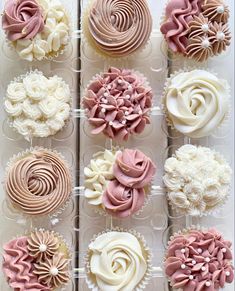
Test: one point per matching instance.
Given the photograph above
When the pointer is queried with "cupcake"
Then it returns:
(117, 103)
(118, 260)
(118, 182)
(196, 102)
(36, 29)
(199, 260)
(37, 106)
(39, 261)
(117, 28)
(38, 182)
(197, 180)
(196, 29)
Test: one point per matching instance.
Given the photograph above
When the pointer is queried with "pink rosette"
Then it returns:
(122, 201)
(133, 169)
(199, 260)
(22, 19)
(117, 103)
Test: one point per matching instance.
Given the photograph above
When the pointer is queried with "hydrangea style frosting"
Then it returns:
(38, 261)
(199, 260)
(37, 106)
(193, 28)
(37, 29)
(117, 103)
(117, 181)
(197, 180)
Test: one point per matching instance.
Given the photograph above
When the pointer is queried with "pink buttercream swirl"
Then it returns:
(117, 103)
(22, 19)
(18, 266)
(199, 261)
(122, 201)
(175, 29)
(133, 169)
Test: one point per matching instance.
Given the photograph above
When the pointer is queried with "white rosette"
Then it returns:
(38, 106)
(56, 213)
(146, 252)
(227, 107)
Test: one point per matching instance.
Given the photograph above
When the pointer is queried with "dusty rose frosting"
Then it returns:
(133, 169)
(117, 103)
(119, 27)
(122, 201)
(175, 29)
(17, 267)
(39, 183)
(22, 19)
(199, 261)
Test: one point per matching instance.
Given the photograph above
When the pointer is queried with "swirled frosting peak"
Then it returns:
(117, 261)
(197, 180)
(118, 102)
(22, 19)
(199, 260)
(118, 28)
(39, 182)
(196, 102)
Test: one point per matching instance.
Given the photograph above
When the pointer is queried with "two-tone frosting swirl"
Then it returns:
(38, 183)
(199, 260)
(117, 261)
(196, 102)
(119, 28)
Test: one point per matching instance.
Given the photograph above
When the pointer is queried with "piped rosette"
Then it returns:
(117, 103)
(118, 181)
(199, 260)
(196, 29)
(39, 260)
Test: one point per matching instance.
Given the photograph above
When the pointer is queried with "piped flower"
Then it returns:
(215, 10)
(221, 37)
(199, 26)
(200, 48)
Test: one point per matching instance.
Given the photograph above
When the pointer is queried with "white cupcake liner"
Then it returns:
(61, 240)
(20, 79)
(56, 213)
(97, 51)
(185, 70)
(211, 212)
(63, 49)
(148, 275)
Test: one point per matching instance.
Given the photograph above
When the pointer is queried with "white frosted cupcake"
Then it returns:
(37, 29)
(37, 106)
(197, 180)
(118, 260)
(196, 102)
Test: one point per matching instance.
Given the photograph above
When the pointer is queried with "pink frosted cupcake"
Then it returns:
(118, 181)
(196, 29)
(199, 260)
(117, 103)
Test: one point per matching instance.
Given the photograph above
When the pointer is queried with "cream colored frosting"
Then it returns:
(36, 105)
(52, 39)
(117, 261)
(97, 175)
(197, 179)
(196, 102)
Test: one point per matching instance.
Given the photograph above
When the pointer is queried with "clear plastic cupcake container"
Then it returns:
(78, 223)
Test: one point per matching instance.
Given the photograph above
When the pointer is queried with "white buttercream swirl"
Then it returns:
(36, 105)
(117, 261)
(196, 102)
(97, 175)
(52, 39)
(197, 180)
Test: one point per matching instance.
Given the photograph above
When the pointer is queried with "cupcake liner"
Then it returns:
(51, 56)
(185, 70)
(20, 79)
(145, 280)
(97, 51)
(56, 212)
(62, 240)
